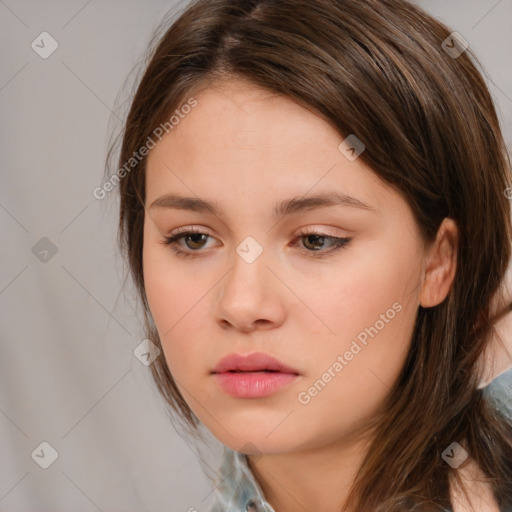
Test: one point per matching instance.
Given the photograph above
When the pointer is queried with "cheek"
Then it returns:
(353, 295)
(370, 311)
(159, 281)
(173, 298)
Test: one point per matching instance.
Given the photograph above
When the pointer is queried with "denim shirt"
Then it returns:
(237, 490)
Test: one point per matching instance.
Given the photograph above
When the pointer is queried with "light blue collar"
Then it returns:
(236, 489)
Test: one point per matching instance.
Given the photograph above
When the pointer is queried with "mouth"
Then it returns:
(255, 384)
(252, 363)
(255, 375)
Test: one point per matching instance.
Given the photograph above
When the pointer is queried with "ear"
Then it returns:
(440, 265)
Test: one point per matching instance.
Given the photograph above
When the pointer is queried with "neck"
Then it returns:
(314, 479)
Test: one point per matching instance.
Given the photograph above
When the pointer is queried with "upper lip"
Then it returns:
(256, 361)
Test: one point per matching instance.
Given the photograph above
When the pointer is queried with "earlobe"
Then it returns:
(441, 264)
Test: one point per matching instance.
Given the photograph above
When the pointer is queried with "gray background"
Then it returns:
(68, 374)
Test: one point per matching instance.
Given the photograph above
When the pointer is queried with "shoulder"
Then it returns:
(476, 495)
(473, 494)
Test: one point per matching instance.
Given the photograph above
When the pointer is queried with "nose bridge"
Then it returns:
(249, 267)
(247, 294)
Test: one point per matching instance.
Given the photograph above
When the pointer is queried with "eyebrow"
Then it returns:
(285, 207)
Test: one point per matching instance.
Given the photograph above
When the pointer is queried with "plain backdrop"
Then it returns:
(68, 374)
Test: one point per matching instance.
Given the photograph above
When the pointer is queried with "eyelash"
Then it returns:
(171, 241)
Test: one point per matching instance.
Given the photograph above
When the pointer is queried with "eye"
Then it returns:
(196, 236)
(195, 239)
(314, 239)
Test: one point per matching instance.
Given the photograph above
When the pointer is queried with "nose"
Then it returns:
(250, 296)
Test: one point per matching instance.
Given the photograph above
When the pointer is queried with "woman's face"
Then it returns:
(257, 281)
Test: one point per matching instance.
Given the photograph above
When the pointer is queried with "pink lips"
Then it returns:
(255, 375)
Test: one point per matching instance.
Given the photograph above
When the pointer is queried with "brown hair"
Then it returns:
(377, 69)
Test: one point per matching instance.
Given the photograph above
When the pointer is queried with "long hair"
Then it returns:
(408, 88)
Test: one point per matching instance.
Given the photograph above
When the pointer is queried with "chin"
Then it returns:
(256, 438)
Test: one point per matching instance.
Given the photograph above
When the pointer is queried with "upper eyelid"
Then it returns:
(301, 232)
(184, 232)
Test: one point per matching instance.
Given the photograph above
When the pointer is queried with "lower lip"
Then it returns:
(253, 385)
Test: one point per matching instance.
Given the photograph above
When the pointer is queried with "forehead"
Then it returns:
(238, 115)
(243, 140)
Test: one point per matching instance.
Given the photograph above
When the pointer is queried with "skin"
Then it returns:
(247, 149)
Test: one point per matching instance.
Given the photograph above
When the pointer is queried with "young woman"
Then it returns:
(314, 208)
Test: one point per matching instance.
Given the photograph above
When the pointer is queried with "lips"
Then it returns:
(255, 362)
(253, 376)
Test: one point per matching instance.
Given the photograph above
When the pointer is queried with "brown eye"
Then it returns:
(194, 241)
(315, 241)
(197, 240)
